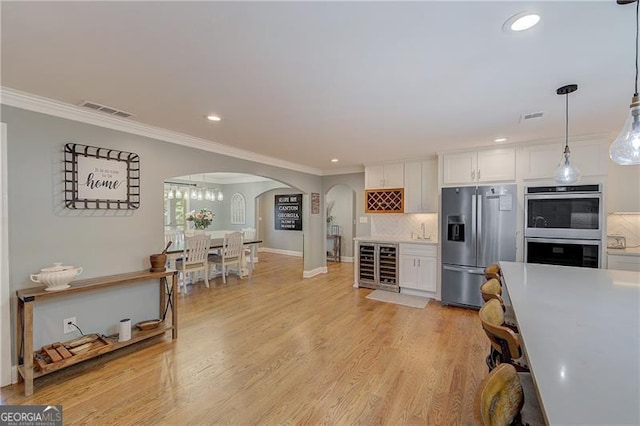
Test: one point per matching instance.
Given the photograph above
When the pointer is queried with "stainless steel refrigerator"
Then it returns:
(478, 228)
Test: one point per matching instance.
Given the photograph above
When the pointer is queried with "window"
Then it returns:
(175, 210)
(238, 209)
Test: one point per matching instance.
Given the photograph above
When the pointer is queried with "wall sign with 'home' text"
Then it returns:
(288, 212)
(100, 178)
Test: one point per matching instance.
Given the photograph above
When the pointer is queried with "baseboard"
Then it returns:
(14, 374)
(278, 251)
(346, 259)
(312, 273)
(412, 292)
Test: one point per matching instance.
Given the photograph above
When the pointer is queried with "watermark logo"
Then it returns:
(30, 415)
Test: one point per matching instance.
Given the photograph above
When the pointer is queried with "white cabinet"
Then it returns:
(623, 188)
(491, 165)
(623, 262)
(421, 186)
(541, 161)
(383, 176)
(418, 267)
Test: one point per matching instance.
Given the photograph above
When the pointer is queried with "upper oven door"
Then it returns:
(563, 215)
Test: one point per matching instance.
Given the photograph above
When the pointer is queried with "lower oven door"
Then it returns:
(583, 253)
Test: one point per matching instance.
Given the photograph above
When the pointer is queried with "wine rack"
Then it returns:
(384, 200)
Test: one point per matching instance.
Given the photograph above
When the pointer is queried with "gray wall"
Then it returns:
(222, 209)
(356, 182)
(273, 238)
(343, 215)
(43, 231)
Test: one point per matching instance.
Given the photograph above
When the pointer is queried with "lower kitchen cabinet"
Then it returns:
(418, 263)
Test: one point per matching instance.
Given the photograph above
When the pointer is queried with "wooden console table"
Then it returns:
(28, 297)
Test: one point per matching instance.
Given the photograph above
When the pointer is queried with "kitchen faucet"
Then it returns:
(422, 230)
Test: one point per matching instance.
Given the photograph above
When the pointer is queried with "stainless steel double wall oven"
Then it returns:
(564, 225)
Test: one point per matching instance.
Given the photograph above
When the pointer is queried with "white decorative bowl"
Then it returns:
(56, 277)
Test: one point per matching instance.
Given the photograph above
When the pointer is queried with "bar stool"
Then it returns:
(492, 289)
(505, 343)
(493, 271)
(506, 397)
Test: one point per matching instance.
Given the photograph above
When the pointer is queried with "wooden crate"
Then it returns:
(57, 355)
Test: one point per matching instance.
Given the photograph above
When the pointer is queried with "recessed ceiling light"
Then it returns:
(500, 140)
(213, 118)
(334, 160)
(521, 22)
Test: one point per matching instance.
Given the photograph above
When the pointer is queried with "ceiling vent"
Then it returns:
(105, 109)
(531, 116)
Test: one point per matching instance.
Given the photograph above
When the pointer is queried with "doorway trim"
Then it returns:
(5, 299)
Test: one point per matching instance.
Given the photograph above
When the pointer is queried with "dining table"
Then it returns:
(215, 243)
(177, 248)
(580, 331)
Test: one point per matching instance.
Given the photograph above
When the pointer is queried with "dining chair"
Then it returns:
(231, 253)
(194, 259)
(506, 397)
(505, 343)
(249, 252)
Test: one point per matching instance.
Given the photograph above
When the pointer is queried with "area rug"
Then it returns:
(398, 298)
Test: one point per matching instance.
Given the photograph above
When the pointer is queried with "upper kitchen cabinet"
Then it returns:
(493, 165)
(421, 186)
(381, 176)
(541, 161)
(623, 188)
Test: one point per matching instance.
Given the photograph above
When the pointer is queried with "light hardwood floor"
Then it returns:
(279, 349)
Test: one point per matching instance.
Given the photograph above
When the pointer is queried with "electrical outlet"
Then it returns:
(66, 325)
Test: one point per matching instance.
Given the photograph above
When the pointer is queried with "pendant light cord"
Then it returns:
(566, 124)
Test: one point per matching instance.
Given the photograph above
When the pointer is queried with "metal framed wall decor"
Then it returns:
(100, 178)
(288, 212)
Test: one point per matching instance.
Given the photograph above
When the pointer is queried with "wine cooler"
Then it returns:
(378, 266)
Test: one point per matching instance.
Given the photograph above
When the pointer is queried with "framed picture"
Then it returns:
(288, 212)
(100, 178)
(315, 203)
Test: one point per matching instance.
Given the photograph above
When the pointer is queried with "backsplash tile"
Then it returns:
(627, 225)
(402, 225)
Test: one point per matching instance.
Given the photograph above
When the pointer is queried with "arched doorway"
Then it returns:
(340, 202)
(239, 202)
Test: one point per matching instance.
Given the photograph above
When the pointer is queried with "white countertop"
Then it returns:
(580, 329)
(632, 251)
(394, 239)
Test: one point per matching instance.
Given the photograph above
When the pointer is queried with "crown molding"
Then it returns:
(23, 100)
(343, 171)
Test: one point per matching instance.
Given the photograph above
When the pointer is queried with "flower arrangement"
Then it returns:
(201, 219)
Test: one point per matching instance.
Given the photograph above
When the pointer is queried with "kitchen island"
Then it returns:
(580, 329)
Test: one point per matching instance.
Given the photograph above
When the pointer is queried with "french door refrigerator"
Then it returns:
(478, 228)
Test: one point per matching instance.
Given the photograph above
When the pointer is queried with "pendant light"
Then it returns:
(567, 173)
(625, 149)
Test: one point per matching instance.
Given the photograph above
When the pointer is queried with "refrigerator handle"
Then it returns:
(473, 222)
(479, 228)
(467, 269)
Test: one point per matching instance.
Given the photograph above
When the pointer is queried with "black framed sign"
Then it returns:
(100, 178)
(288, 212)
